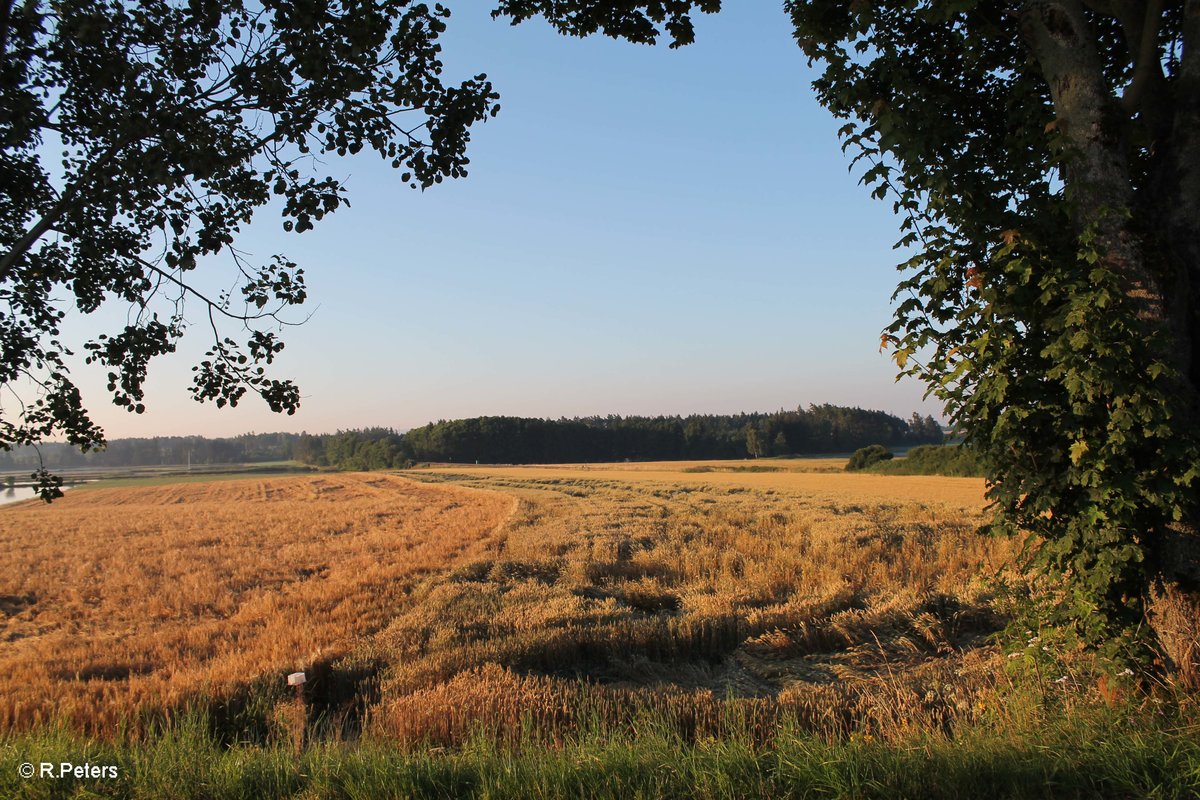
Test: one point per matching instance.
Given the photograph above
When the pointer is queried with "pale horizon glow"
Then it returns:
(643, 232)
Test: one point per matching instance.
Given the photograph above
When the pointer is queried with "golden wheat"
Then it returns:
(822, 597)
(119, 599)
(518, 598)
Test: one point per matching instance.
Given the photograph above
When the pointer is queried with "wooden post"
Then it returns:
(297, 680)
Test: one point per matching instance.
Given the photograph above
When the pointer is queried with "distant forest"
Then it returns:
(245, 449)
(512, 440)
(516, 440)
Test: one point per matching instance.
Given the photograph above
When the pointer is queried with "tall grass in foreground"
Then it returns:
(1099, 752)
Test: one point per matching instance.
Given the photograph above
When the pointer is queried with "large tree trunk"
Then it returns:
(1177, 553)
(1093, 123)
(1096, 169)
(1181, 192)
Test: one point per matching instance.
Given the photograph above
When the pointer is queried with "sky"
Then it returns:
(643, 231)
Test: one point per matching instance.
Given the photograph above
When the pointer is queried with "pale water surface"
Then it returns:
(8, 495)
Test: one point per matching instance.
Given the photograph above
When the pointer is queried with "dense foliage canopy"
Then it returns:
(867, 457)
(951, 460)
(1044, 157)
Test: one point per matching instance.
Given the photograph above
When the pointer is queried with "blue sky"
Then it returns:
(644, 231)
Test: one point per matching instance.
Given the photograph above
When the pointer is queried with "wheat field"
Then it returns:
(513, 598)
(118, 600)
(677, 588)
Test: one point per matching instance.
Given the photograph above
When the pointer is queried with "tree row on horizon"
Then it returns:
(516, 440)
(521, 440)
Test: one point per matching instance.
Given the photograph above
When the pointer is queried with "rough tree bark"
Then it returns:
(1096, 169)
(1180, 178)
(1093, 124)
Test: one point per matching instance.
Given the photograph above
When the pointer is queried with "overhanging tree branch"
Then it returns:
(66, 197)
(187, 110)
(1147, 65)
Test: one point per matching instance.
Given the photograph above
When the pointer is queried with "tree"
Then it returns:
(866, 456)
(1044, 158)
(754, 440)
(138, 138)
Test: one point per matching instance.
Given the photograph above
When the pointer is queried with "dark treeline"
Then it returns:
(516, 440)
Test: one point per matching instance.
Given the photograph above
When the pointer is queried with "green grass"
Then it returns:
(1122, 753)
(951, 460)
(273, 468)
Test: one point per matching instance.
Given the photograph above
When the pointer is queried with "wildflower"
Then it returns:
(1063, 679)
(1014, 655)
(1126, 671)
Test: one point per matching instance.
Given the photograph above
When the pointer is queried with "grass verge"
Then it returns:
(1106, 752)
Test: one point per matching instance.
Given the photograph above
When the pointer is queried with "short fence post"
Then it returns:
(297, 680)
